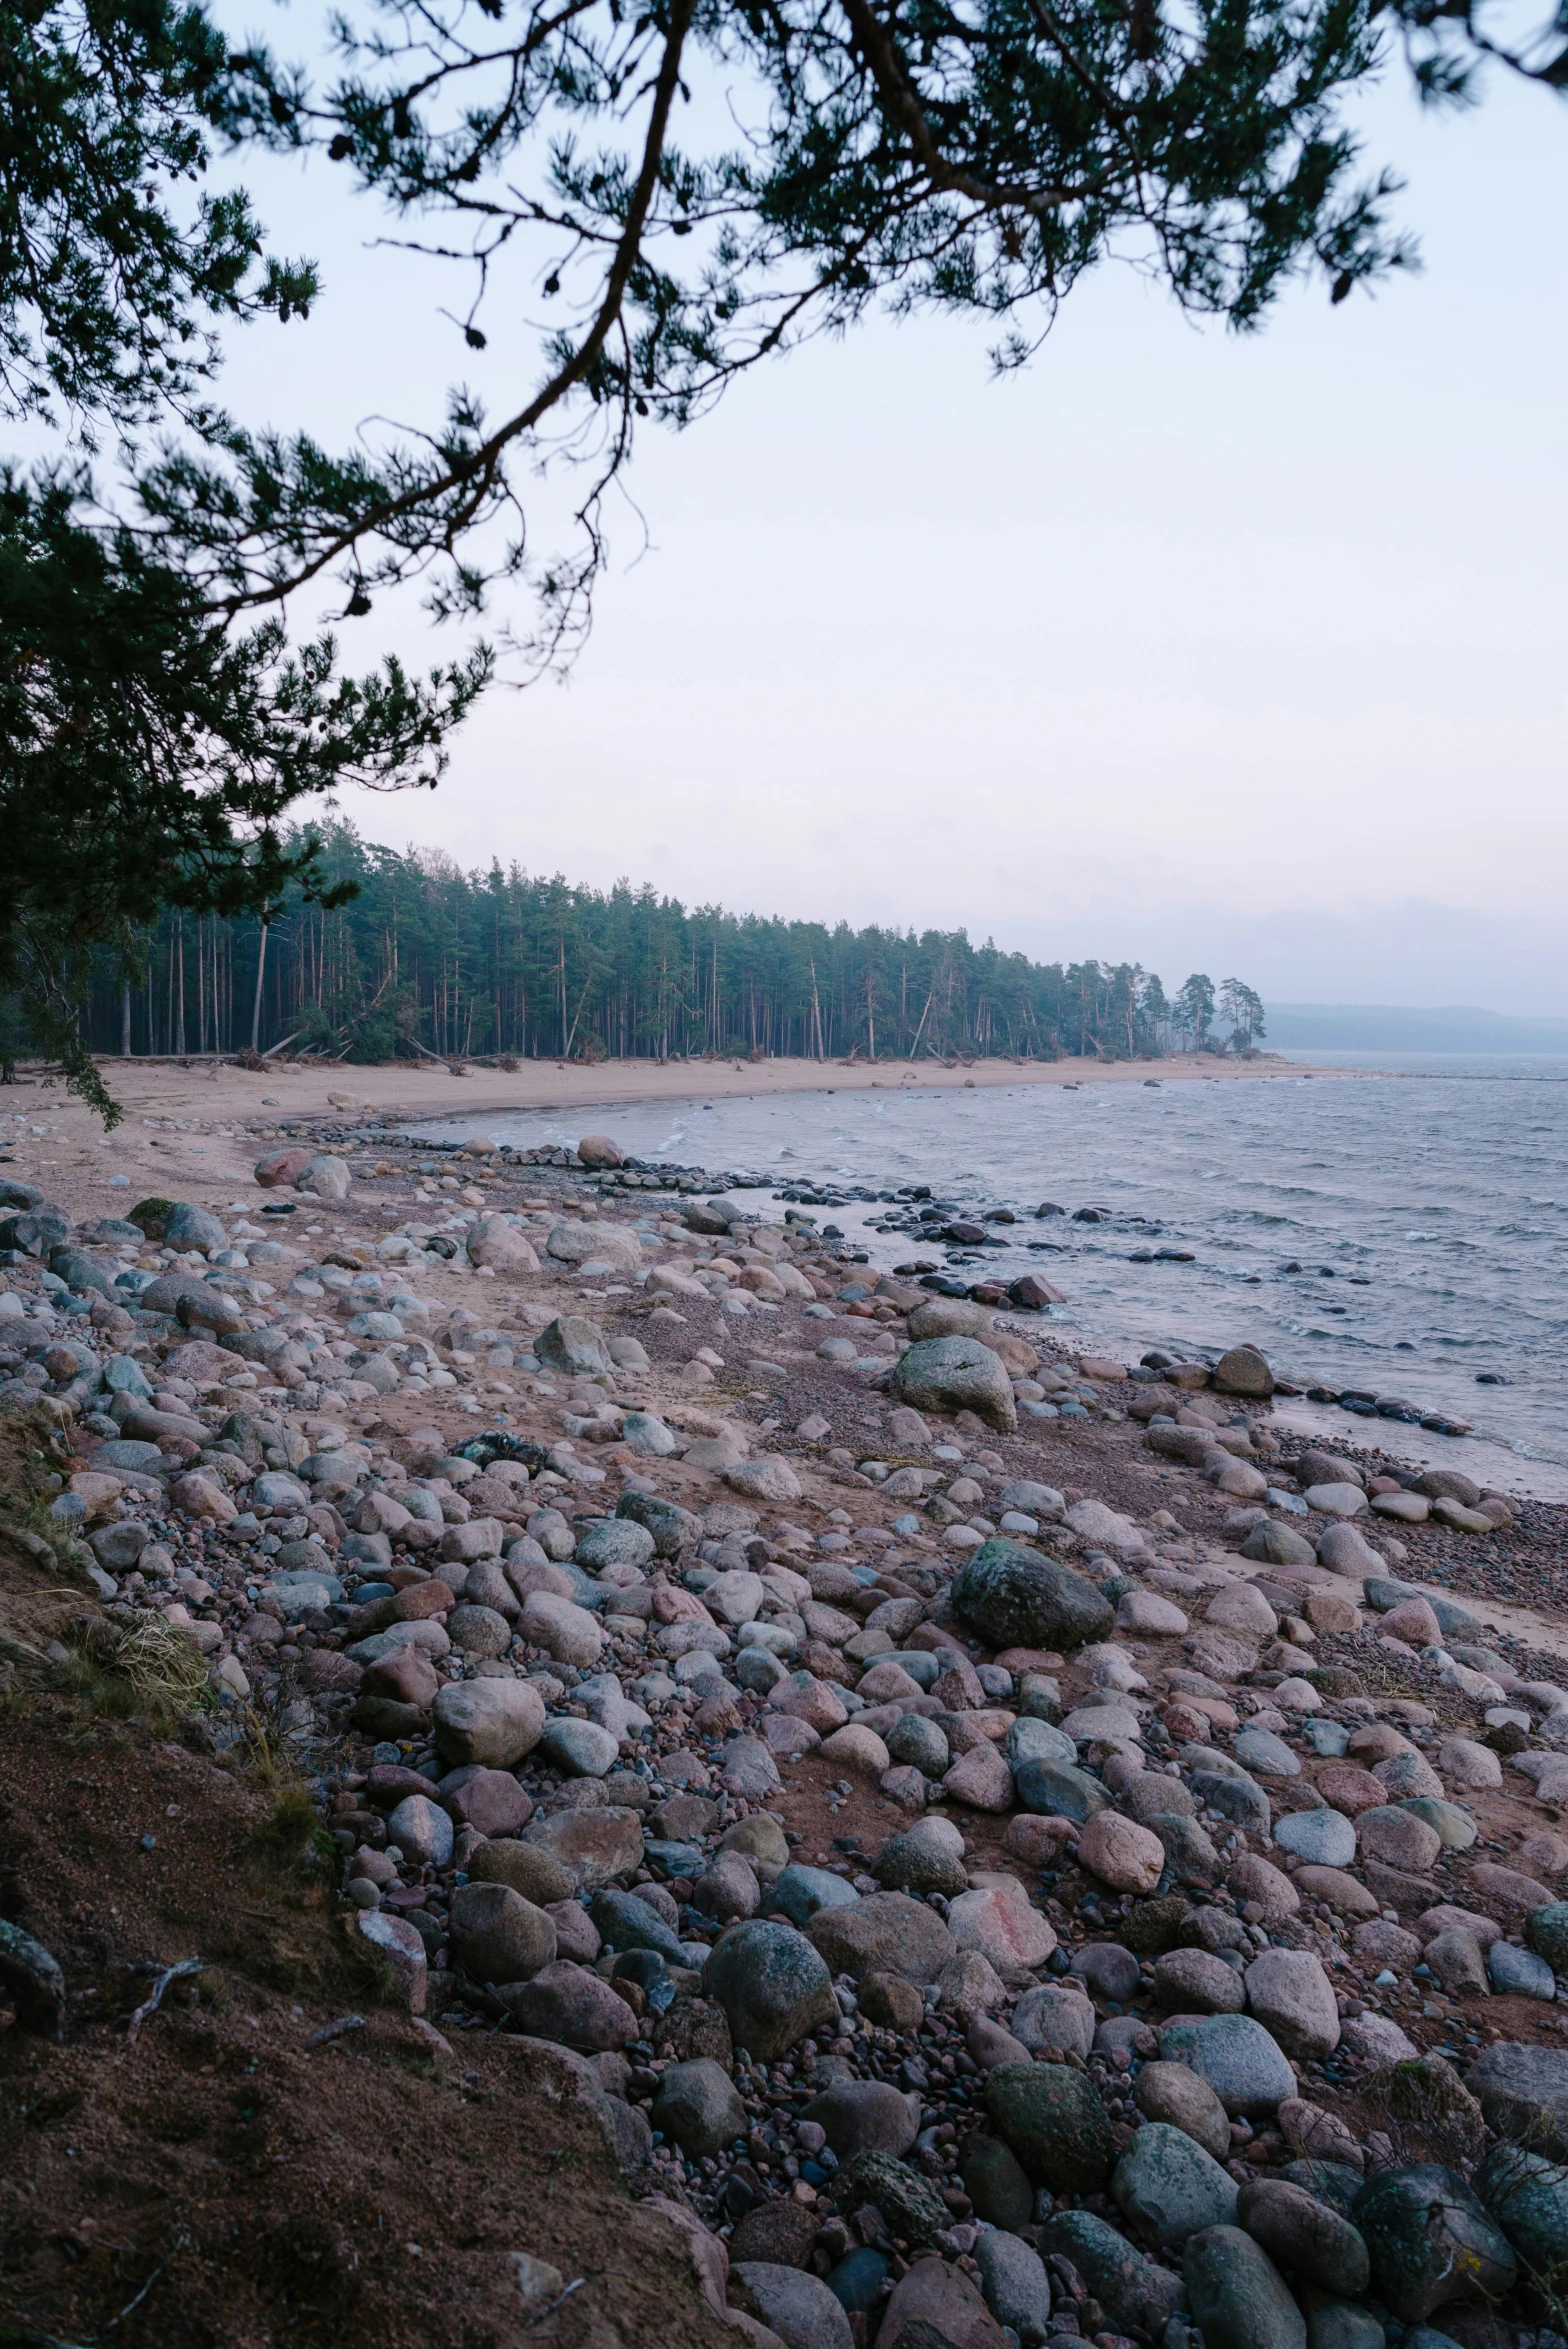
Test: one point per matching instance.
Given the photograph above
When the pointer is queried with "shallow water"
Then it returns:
(1441, 1183)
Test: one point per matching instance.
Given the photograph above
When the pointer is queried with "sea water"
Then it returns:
(1421, 1200)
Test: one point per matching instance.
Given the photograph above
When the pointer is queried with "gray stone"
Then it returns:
(909, 2203)
(866, 2116)
(493, 1722)
(669, 1524)
(128, 1452)
(748, 1769)
(618, 1541)
(33, 1981)
(596, 1845)
(187, 1226)
(566, 2002)
(497, 1936)
(1527, 2195)
(1305, 2236)
(1018, 1598)
(1237, 2295)
(1110, 1970)
(886, 1932)
(623, 1921)
(697, 2105)
(575, 1344)
(798, 2307)
(1136, 2292)
(581, 1748)
(1339, 2324)
(1260, 1749)
(1246, 2068)
(1016, 2287)
(797, 1892)
(478, 1631)
(1431, 2241)
(1037, 1741)
(1060, 1790)
(1523, 2092)
(1326, 1839)
(920, 1743)
(1055, 2021)
(1240, 1799)
(1054, 2121)
(1546, 1930)
(921, 1862)
(422, 1831)
(1172, 2093)
(1293, 1999)
(1273, 1544)
(997, 2184)
(772, 1984)
(1195, 1981)
(955, 1374)
(1189, 1852)
(118, 1547)
(1167, 2187)
(1519, 1973)
(1454, 1828)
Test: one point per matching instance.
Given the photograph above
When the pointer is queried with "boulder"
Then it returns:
(497, 1936)
(500, 1246)
(886, 1932)
(567, 2003)
(1431, 2241)
(491, 1722)
(866, 2116)
(1136, 2292)
(1237, 2295)
(1523, 2092)
(1054, 2121)
(1017, 1598)
(596, 1845)
(698, 2107)
(935, 2303)
(1243, 1371)
(956, 1374)
(1241, 2063)
(1167, 2187)
(325, 1177)
(1293, 1999)
(1173, 2094)
(573, 1343)
(1127, 1857)
(1305, 2236)
(1016, 2287)
(772, 1984)
(605, 1243)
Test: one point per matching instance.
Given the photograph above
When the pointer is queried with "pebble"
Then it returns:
(949, 1955)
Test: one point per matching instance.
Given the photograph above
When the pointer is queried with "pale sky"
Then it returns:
(1237, 654)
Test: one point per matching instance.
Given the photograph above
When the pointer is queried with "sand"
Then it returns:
(74, 1159)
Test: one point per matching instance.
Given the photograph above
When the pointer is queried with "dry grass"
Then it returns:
(144, 1670)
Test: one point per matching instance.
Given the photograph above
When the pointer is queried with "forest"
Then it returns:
(423, 958)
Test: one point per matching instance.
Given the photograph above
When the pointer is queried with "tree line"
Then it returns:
(403, 954)
(162, 722)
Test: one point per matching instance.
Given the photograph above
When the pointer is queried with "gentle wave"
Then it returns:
(1427, 1182)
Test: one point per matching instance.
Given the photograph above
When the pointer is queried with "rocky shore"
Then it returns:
(1012, 1849)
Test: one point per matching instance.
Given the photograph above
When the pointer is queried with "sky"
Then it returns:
(1243, 654)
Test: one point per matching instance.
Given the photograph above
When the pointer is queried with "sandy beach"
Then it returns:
(220, 1090)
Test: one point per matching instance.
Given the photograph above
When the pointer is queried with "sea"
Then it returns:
(1392, 1223)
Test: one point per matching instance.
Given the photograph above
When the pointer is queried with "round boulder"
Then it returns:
(956, 1374)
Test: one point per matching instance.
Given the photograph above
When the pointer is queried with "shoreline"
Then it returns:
(404, 1091)
(192, 1130)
